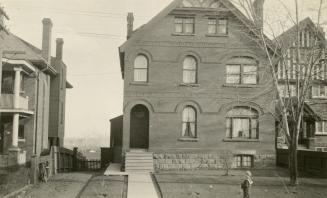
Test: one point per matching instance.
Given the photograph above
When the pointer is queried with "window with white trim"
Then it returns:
(141, 65)
(184, 25)
(217, 26)
(190, 70)
(189, 122)
(242, 123)
(321, 128)
(321, 149)
(319, 71)
(319, 91)
(242, 70)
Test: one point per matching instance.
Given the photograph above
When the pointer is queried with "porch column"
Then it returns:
(15, 128)
(17, 84)
(16, 106)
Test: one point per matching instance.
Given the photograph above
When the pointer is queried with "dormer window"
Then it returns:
(217, 26)
(184, 25)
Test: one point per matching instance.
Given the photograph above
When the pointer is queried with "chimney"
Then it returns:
(258, 11)
(59, 48)
(130, 21)
(46, 39)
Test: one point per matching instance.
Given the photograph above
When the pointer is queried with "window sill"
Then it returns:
(319, 97)
(139, 83)
(216, 35)
(241, 140)
(242, 85)
(187, 139)
(189, 85)
(182, 34)
(321, 134)
(21, 140)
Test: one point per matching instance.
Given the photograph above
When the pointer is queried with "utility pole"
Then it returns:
(3, 32)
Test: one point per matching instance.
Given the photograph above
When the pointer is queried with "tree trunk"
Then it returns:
(293, 168)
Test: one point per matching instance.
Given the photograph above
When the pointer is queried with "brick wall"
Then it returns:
(37, 91)
(57, 103)
(204, 161)
(165, 96)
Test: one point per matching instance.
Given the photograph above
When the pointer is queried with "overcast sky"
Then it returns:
(93, 31)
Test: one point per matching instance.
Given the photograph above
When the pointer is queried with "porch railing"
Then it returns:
(7, 102)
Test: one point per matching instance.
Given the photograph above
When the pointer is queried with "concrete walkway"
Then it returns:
(141, 185)
(114, 170)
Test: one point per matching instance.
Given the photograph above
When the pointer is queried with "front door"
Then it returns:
(139, 128)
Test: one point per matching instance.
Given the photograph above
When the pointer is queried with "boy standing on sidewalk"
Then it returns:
(246, 184)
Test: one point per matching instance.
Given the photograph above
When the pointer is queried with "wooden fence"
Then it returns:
(311, 162)
(88, 165)
(72, 160)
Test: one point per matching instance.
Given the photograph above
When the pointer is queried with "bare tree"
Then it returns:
(227, 158)
(299, 76)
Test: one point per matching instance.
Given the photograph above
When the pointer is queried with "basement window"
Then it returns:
(243, 161)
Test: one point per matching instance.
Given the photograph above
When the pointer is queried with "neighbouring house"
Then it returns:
(32, 100)
(196, 85)
(116, 139)
(58, 86)
(313, 135)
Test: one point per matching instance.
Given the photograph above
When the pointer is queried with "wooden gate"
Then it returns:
(88, 165)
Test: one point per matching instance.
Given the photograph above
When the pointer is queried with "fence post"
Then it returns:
(34, 169)
(54, 153)
(75, 159)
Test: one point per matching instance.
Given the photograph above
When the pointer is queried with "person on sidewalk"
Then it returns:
(246, 184)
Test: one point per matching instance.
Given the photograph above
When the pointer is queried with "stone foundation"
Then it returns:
(204, 161)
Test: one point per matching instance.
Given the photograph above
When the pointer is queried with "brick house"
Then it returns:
(313, 134)
(196, 85)
(29, 98)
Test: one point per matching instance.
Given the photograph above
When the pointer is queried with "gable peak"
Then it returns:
(200, 4)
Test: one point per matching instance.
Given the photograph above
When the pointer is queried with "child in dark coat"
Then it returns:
(246, 184)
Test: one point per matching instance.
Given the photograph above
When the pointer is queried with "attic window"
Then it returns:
(217, 26)
(184, 25)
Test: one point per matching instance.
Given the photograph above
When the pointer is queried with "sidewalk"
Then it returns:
(65, 185)
(141, 185)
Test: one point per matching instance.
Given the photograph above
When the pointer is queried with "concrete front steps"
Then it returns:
(139, 162)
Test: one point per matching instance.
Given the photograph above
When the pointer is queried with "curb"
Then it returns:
(156, 185)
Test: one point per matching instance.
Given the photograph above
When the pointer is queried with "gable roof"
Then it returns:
(288, 37)
(319, 107)
(138, 33)
(16, 48)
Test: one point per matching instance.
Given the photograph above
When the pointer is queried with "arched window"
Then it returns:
(242, 70)
(189, 122)
(242, 123)
(189, 70)
(141, 65)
